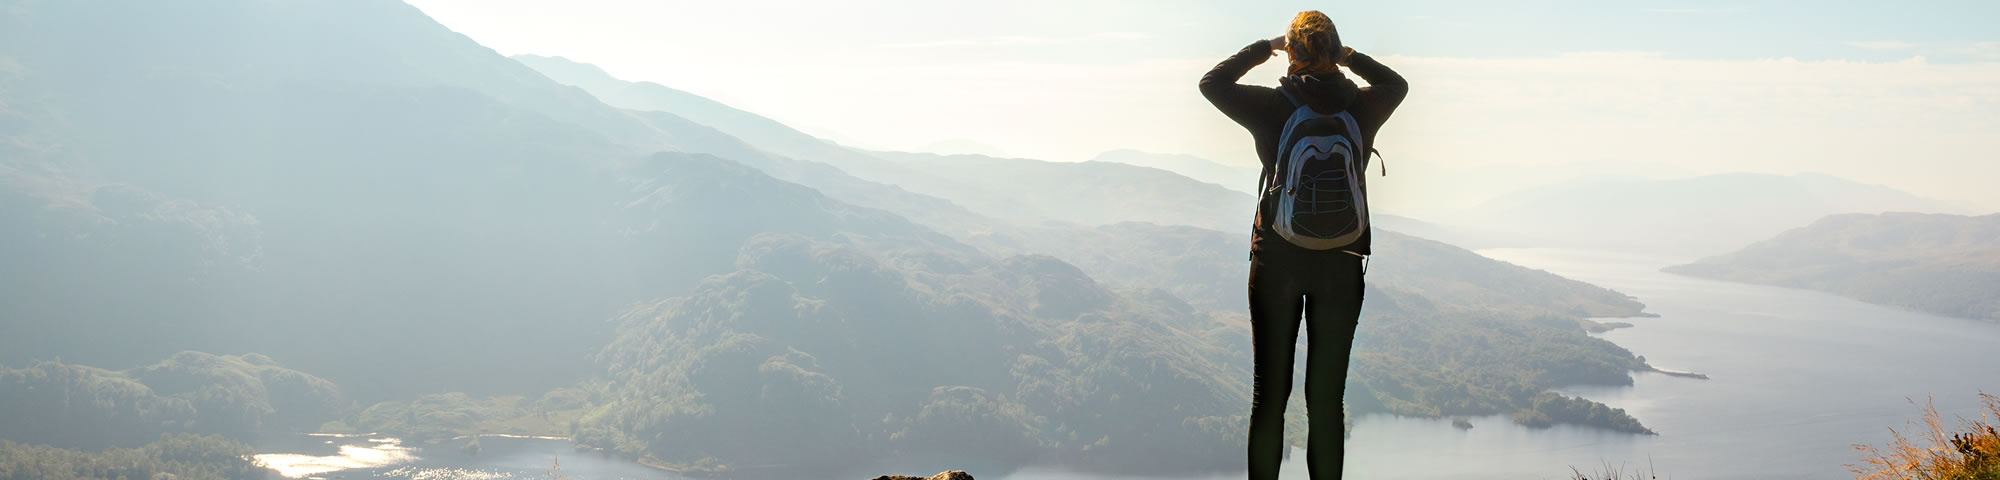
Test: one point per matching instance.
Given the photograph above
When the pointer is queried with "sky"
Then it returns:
(1905, 94)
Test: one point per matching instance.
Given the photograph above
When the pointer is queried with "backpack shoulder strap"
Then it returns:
(1385, 160)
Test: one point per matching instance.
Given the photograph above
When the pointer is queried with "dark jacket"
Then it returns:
(1263, 111)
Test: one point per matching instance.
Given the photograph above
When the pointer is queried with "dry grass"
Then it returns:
(1616, 472)
(555, 472)
(1971, 451)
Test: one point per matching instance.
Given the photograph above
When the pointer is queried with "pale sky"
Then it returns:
(1905, 94)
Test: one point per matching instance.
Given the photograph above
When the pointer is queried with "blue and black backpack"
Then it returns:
(1315, 187)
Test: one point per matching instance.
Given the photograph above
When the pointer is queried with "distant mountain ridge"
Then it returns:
(1233, 177)
(1943, 264)
(1021, 191)
(1703, 215)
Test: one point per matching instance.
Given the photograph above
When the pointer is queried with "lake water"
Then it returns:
(1796, 379)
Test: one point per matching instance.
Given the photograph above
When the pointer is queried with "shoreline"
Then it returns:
(1676, 373)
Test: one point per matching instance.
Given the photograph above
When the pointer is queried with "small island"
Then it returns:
(1461, 423)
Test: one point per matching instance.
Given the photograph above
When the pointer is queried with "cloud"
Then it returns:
(1986, 50)
(1884, 45)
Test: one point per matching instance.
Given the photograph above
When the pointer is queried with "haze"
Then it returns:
(1706, 87)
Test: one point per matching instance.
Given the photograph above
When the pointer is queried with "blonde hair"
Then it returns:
(1312, 43)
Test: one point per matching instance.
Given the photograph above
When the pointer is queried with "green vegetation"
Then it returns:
(1550, 408)
(1942, 264)
(241, 397)
(1436, 364)
(175, 456)
(1445, 332)
(433, 418)
(1594, 326)
(818, 352)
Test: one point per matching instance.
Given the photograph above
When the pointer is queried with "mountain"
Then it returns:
(1942, 264)
(816, 353)
(1017, 191)
(170, 456)
(1695, 216)
(765, 133)
(385, 204)
(1095, 205)
(1087, 193)
(1208, 268)
(785, 152)
(357, 166)
(412, 224)
(1238, 178)
(961, 146)
(76, 406)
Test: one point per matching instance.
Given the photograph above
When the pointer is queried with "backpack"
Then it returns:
(1316, 185)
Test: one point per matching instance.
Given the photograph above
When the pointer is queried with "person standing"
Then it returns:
(1310, 238)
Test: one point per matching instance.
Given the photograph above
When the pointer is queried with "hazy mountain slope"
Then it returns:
(814, 155)
(144, 67)
(432, 237)
(835, 182)
(1943, 264)
(1209, 268)
(1166, 262)
(364, 168)
(76, 406)
(815, 354)
(767, 134)
(1089, 193)
(1233, 177)
(1703, 215)
(1016, 190)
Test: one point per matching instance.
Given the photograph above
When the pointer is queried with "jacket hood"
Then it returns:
(1324, 91)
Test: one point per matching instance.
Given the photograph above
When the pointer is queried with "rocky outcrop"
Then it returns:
(951, 475)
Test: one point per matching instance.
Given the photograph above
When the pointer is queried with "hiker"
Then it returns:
(1309, 241)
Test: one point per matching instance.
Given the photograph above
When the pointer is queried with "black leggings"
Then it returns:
(1326, 287)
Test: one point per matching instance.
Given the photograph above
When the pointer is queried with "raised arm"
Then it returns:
(1385, 89)
(1234, 99)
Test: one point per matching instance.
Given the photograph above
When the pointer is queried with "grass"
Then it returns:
(1971, 451)
(555, 472)
(1615, 472)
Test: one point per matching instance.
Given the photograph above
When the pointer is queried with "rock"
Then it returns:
(951, 475)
